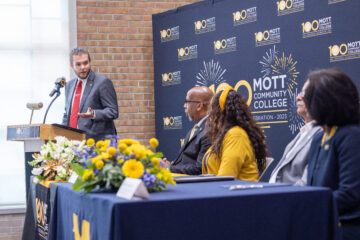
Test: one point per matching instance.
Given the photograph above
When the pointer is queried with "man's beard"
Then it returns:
(87, 74)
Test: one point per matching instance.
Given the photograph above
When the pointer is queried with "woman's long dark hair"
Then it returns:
(236, 113)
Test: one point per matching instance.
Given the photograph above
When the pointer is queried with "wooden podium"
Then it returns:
(35, 135)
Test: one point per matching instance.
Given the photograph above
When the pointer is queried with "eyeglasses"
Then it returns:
(302, 93)
(190, 101)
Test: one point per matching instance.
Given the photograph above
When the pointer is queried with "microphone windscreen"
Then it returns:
(34, 106)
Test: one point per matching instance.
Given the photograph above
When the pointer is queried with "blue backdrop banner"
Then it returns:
(263, 49)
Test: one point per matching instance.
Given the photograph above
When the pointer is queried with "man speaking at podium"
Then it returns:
(90, 99)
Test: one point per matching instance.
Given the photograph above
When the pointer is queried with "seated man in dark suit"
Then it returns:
(196, 142)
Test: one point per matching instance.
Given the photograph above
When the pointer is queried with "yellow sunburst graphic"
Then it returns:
(286, 65)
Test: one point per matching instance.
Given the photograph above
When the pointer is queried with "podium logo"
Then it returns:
(289, 6)
(316, 27)
(335, 1)
(172, 78)
(344, 51)
(205, 25)
(267, 37)
(169, 34)
(245, 16)
(225, 45)
(186, 53)
(172, 122)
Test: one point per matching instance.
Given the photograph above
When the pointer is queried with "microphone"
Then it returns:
(34, 106)
(59, 83)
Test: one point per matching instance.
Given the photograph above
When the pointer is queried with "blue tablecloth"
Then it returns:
(200, 211)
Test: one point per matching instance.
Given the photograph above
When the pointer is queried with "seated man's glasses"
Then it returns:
(190, 101)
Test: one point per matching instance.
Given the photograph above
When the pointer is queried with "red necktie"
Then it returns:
(75, 107)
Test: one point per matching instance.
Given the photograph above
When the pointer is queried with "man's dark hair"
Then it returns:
(332, 98)
(79, 51)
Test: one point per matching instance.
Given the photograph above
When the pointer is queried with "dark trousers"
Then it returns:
(350, 229)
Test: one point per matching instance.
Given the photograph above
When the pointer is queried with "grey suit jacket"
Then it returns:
(100, 95)
(293, 169)
(191, 153)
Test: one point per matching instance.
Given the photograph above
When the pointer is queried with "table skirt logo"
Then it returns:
(335, 1)
(245, 16)
(188, 52)
(267, 37)
(85, 229)
(171, 78)
(172, 122)
(205, 25)
(289, 6)
(225, 45)
(169, 34)
(344, 51)
(316, 27)
(41, 218)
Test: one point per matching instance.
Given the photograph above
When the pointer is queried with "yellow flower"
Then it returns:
(99, 144)
(119, 160)
(133, 168)
(122, 146)
(106, 142)
(155, 161)
(154, 143)
(167, 177)
(105, 155)
(111, 151)
(138, 149)
(90, 142)
(99, 165)
(87, 174)
(95, 159)
(149, 152)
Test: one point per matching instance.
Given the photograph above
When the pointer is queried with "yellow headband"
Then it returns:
(223, 97)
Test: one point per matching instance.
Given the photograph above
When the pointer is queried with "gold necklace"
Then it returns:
(327, 137)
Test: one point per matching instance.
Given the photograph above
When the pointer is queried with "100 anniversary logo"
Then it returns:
(245, 16)
(267, 37)
(188, 52)
(171, 123)
(171, 78)
(205, 25)
(316, 27)
(289, 6)
(344, 51)
(225, 45)
(169, 34)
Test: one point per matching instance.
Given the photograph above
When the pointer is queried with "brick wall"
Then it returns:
(118, 34)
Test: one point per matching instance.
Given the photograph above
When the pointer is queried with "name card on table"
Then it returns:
(73, 178)
(133, 189)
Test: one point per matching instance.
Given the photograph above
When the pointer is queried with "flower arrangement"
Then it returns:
(53, 161)
(105, 165)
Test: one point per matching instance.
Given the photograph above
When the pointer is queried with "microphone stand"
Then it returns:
(57, 95)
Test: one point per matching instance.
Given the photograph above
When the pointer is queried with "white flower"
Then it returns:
(60, 140)
(61, 171)
(37, 171)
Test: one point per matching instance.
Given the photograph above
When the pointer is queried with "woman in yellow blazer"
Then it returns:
(238, 145)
